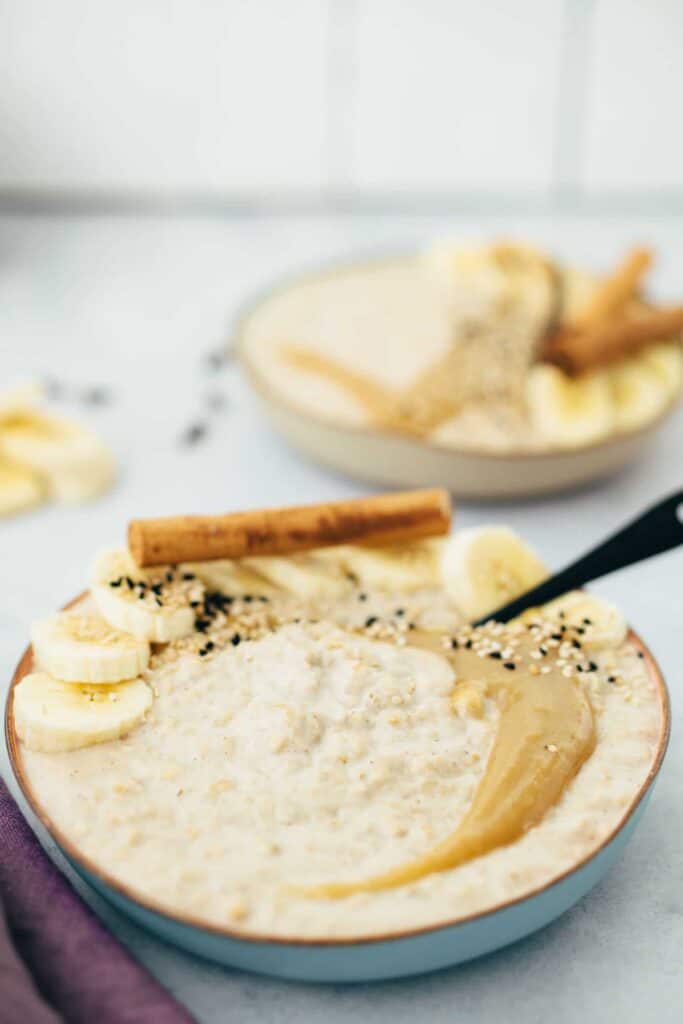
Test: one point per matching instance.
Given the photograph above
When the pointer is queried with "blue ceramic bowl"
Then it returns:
(384, 956)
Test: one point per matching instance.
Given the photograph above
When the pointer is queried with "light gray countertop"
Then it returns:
(134, 304)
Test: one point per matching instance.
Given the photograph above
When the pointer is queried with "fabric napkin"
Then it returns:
(73, 971)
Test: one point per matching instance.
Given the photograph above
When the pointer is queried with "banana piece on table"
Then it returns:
(602, 625)
(305, 575)
(24, 395)
(124, 597)
(20, 488)
(666, 359)
(80, 648)
(639, 393)
(73, 461)
(484, 567)
(400, 567)
(569, 412)
(51, 715)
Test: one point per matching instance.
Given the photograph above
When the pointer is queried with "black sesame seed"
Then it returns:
(562, 615)
(362, 597)
(411, 625)
(202, 652)
(454, 643)
(141, 595)
(497, 655)
(130, 583)
(262, 598)
(195, 604)
(592, 667)
(201, 625)
(156, 589)
(400, 612)
(611, 679)
(371, 620)
(159, 602)
(579, 668)
(640, 654)
(588, 622)
(509, 665)
(248, 598)
(580, 630)
(469, 645)
(235, 639)
(555, 636)
(169, 577)
(210, 645)
(576, 644)
(189, 576)
(116, 583)
(194, 434)
(543, 650)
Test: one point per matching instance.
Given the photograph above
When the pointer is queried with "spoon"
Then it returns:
(658, 529)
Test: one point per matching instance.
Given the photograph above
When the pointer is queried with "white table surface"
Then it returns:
(134, 303)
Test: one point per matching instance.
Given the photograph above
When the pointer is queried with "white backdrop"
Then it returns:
(241, 100)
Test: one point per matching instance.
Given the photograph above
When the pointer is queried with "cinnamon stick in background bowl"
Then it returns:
(578, 352)
(381, 519)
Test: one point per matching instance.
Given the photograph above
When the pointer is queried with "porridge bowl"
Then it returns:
(357, 366)
(324, 772)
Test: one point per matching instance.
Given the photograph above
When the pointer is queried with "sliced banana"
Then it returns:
(73, 461)
(484, 567)
(230, 577)
(639, 393)
(24, 395)
(305, 575)
(666, 359)
(20, 488)
(395, 567)
(569, 412)
(602, 625)
(51, 715)
(85, 649)
(127, 598)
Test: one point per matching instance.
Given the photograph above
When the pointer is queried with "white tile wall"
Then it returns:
(242, 98)
(456, 96)
(163, 94)
(634, 133)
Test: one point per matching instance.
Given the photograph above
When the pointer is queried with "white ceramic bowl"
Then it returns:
(382, 457)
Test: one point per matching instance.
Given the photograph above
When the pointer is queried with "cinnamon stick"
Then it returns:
(382, 519)
(614, 291)
(579, 351)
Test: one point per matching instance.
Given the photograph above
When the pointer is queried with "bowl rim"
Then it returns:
(70, 849)
(238, 344)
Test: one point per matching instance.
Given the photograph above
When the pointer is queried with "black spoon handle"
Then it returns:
(659, 529)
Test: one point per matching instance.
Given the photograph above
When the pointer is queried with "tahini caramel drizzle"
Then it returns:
(545, 734)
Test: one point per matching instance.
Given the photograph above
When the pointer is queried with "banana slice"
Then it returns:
(569, 412)
(639, 393)
(305, 575)
(152, 605)
(20, 488)
(603, 626)
(73, 461)
(51, 715)
(24, 395)
(396, 567)
(229, 577)
(666, 359)
(484, 567)
(85, 649)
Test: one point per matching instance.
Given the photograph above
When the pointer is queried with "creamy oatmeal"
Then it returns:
(457, 346)
(302, 736)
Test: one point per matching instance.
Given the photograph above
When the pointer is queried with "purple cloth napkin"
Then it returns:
(75, 964)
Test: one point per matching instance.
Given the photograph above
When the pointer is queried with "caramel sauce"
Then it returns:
(545, 734)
